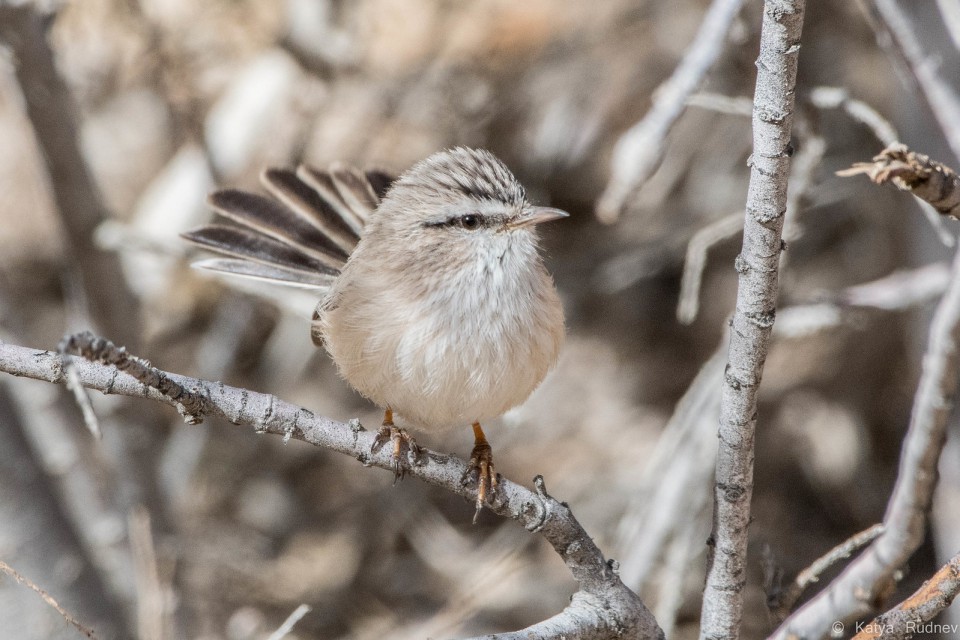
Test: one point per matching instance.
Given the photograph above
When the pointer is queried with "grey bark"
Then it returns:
(603, 607)
(758, 265)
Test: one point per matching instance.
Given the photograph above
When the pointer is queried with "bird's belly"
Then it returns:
(442, 370)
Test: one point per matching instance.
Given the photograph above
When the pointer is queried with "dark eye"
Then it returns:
(469, 221)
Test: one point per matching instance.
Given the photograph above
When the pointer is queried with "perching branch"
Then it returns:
(758, 265)
(869, 579)
(639, 150)
(601, 608)
(905, 620)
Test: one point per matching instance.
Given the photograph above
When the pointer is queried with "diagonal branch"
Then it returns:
(601, 608)
(46, 597)
(869, 579)
(783, 602)
(938, 93)
(907, 618)
(639, 150)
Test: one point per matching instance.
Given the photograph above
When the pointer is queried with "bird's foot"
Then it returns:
(481, 470)
(405, 448)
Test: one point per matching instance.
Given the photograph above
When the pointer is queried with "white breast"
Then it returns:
(467, 350)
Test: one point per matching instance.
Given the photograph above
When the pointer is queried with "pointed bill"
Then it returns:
(537, 215)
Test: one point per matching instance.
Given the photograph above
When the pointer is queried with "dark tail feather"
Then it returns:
(304, 236)
(322, 183)
(246, 244)
(323, 210)
(270, 218)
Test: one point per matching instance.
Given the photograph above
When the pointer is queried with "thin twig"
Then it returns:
(908, 617)
(639, 150)
(688, 305)
(290, 622)
(839, 98)
(601, 607)
(13, 573)
(870, 579)
(82, 399)
(758, 265)
(931, 181)
(782, 604)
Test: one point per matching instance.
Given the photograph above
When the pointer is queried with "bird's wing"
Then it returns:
(302, 235)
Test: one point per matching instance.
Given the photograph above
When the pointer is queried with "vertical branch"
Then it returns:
(753, 318)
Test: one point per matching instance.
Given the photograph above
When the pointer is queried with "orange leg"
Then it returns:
(405, 447)
(481, 462)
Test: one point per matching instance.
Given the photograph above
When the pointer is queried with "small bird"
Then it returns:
(436, 304)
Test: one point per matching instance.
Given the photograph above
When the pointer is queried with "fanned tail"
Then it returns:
(300, 237)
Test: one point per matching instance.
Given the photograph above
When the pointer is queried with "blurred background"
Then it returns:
(117, 117)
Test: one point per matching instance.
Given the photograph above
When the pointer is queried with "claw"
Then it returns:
(481, 469)
(405, 448)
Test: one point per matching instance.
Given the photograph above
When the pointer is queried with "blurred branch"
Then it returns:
(801, 177)
(10, 571)
(905, 620)
(940, 96)
(870, 578)
(43, 532)
(807, 160)
(927, 179)
(53, 115)
(284, 629)
(950, 10)
(602, 605)
(782, 603)
(639, 150)
(839, 98)
(899, 290)
(153, 606)
(758, 265)
(688, 305)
